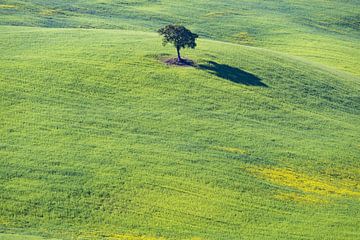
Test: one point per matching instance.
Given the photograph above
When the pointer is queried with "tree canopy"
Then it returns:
(179, 36)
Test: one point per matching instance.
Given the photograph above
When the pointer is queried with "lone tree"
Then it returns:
(180, 36)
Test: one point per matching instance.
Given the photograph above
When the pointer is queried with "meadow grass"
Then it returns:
(21, 237)
(101, 140)
(322, 31)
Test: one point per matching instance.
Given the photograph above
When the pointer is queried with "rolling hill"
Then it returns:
(102, 140)
(322, 31)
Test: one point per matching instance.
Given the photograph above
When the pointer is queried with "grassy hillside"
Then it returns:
(20, 237)
(322, 31)
(100, 139)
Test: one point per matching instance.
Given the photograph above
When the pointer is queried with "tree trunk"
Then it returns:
(178, 53)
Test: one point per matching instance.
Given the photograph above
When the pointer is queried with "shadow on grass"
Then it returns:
(233, 74)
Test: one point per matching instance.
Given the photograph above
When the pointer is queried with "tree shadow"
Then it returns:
(233, 74)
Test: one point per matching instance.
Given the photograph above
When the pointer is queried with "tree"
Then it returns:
(180, 36)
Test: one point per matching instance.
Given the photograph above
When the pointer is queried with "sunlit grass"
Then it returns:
(99, 136)
(99, 139)
(302, 198)
(321, 31)
(231, 150)
(7, 6)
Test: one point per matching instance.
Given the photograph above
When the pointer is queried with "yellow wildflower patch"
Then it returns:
(3, 222)
(7, 6)
(231, 150)
(243, 37)
(349, 177)
(48, 12)
(305, 183)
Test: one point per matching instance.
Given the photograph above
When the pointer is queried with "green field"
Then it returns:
(99, 139)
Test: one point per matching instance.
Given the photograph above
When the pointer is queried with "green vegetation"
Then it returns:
(20, 237)
(179, 36)
(319, 30)
(102, 140)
